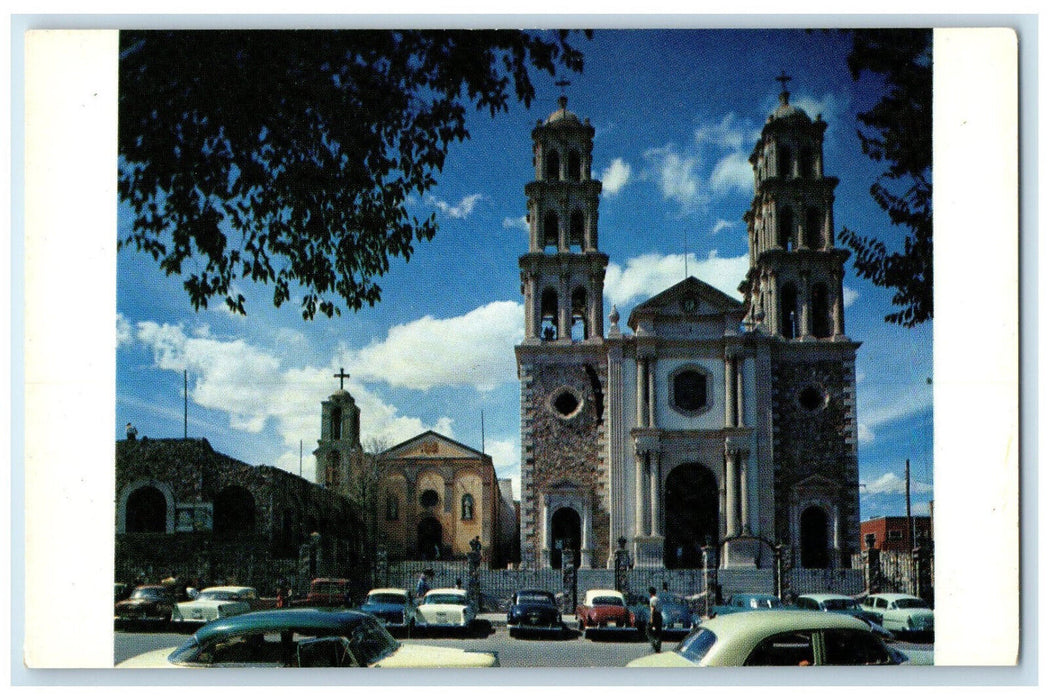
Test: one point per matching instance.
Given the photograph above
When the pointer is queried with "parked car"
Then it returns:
(900, 613)
(678, 617)
(533, 610)
(145, 604)
(838, 603)
(215, 602)
(604, 610)
(783, 638)
(121, 591)
(300, 638)
(326, 593)
(445, 608)
(392, 607)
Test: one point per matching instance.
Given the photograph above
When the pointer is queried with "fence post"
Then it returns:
(710, 579)
(381, 576)
(872, 565)
(568, 581)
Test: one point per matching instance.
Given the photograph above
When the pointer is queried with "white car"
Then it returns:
(215, 602)
(448, 608)
(899, 612)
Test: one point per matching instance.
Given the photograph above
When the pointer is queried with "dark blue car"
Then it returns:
(535, 611)
(393, 607)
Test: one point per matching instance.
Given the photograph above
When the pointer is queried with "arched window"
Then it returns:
(808, 163)
(550, 229)
(548, 314)
(785, 228)
(429, 498)
(467, 507)
(146, 510)
(788, 303)
(234, 511)
(392, 508)
(821, 321)
(336, 423)
(553, 165)
(813, 228)
(575, 231)
(689, 390)
(783, 160)
(575, 166)
(579, 329)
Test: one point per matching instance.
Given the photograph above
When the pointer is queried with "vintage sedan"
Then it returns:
(900, 613)
(145, 604)
(215, 602)
(783, 638)
(303, 638)
(678, 617)
(838, 603)
(393, 607)
(534, 611)
(605, 610)
(447, 609)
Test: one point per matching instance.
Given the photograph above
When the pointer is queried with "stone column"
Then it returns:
(564, 309)
(730, 392)
(837, 309)
(651, 372)
(740, 386)
(653, 493)
(639, 495)
(731, 492)
(642, 366)
(744, 491)
(805, 293)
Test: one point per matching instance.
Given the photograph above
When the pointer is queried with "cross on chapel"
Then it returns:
(783, 78)
(341, 376)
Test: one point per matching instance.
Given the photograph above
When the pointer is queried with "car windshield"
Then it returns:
(371, 642)
(696, 645)
(148, 594)
(535, 599)
(907, 603)
(386, 599)
(840, 604)
(445, 599)
(607, 600)
(765, 603)
(327, 588)
(220, 595)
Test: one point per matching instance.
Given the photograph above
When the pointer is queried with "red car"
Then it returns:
(606, 611)
(326, 593)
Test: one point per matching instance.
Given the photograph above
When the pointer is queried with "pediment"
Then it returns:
(431, 445)
(689, 298)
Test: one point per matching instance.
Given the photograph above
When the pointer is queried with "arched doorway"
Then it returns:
(691, 506)
(234, 512)
(146, 510)
(814, 554)
(565, 528)
(428, 540)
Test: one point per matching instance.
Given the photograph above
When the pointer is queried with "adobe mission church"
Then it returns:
(704, 419)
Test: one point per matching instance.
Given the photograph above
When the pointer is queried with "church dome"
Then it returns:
(562, 115)
(785, 110)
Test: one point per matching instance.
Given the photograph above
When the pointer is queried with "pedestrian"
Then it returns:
(421, 587)
(458, 583)
(282, 594)
(132, 433)
(655, 620)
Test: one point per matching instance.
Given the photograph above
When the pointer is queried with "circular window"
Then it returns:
(811, 398)
(566, 402)
(428, 499)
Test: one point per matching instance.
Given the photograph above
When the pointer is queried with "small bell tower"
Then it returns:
(338, 452)
(794, 286)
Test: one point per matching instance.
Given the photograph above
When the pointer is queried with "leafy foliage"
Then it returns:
(898, 132)
(287, 157)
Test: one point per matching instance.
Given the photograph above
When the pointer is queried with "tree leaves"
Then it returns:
(898, 132)
(288, 157)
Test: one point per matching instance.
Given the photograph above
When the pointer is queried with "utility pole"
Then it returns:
(185, 405)
(482, 431)
(910, 522)
(300, 459)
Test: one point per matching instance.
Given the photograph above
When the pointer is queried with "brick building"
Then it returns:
(891, 533)
(707, 419)
(184, 509)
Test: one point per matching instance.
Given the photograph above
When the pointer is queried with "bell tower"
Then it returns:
(794, 286)
(339, 455)
(794, 304)
(562, 361)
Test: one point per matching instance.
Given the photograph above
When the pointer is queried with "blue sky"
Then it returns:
(676, 114)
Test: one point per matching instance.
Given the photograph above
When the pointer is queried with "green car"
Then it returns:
(304, 638)
(783, 638)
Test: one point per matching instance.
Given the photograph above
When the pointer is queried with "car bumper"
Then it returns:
(525, 627)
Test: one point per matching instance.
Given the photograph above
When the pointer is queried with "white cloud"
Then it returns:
(123, 330)
(893, 484)
(827, 106)
(728, 134)
(615, 177)
(733, 173)
(647, 275)
(677, 175)
(849, 296)
(721, 225)
(864, 434)
(521, 222)
(255, 391)
(457, 211)
(504, 453)
(475, 349)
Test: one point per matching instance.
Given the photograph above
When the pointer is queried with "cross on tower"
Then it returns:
(341, 376)
(563, 83)
(783, 78)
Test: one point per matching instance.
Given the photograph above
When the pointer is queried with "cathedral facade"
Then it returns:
(706, 421)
